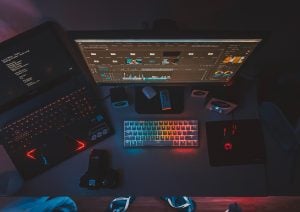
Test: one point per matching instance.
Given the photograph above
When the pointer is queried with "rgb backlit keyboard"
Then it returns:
(171, 133)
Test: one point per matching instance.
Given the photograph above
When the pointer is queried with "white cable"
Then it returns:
(186, 204)
(121, 199)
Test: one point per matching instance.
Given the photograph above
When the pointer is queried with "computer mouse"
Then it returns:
(149, 92)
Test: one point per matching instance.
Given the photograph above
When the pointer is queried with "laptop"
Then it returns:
(49, 105)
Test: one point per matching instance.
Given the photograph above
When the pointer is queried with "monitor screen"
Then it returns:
(31, 61)
(165, 60)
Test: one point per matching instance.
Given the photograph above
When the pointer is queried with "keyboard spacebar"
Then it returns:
(158, 143)
(130, 143)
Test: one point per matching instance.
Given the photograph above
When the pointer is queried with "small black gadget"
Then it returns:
(199, 93)
(165, 100)
(118, 97)
(99, 173)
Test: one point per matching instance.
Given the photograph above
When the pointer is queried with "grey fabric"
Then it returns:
(278, 126)
(41, 204)
(10, 183)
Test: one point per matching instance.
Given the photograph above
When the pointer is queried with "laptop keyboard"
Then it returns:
(57, 115)
(171, 133)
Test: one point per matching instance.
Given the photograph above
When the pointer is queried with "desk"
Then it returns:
(153, 172)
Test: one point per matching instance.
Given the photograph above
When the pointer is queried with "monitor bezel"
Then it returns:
(188, 34)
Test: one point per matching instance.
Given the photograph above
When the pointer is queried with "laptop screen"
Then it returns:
(31, 61)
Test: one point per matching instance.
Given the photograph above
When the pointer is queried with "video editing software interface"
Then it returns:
(165, 60)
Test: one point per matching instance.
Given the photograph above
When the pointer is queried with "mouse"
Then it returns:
(149, 92)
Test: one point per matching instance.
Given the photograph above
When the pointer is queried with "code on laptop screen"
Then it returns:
(30, 61)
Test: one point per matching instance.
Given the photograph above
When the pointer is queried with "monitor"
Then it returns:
(165, 60)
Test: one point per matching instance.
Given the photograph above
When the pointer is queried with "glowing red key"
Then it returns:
(80, 145)
(228, 146)
(225, 130)
(30, 154)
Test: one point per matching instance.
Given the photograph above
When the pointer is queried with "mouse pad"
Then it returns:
(153, 106)
(235, 142)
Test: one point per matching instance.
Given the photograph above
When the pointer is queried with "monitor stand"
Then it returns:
(143, 105)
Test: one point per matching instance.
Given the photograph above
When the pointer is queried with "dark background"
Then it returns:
(280, 53)
(280, 18)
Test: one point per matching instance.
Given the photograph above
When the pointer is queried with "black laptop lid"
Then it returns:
(33, 62)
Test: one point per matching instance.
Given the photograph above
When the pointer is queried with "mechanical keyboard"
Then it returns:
(170, 133)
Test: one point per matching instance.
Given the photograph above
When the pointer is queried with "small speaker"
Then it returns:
(118, 97)
(224, 99)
